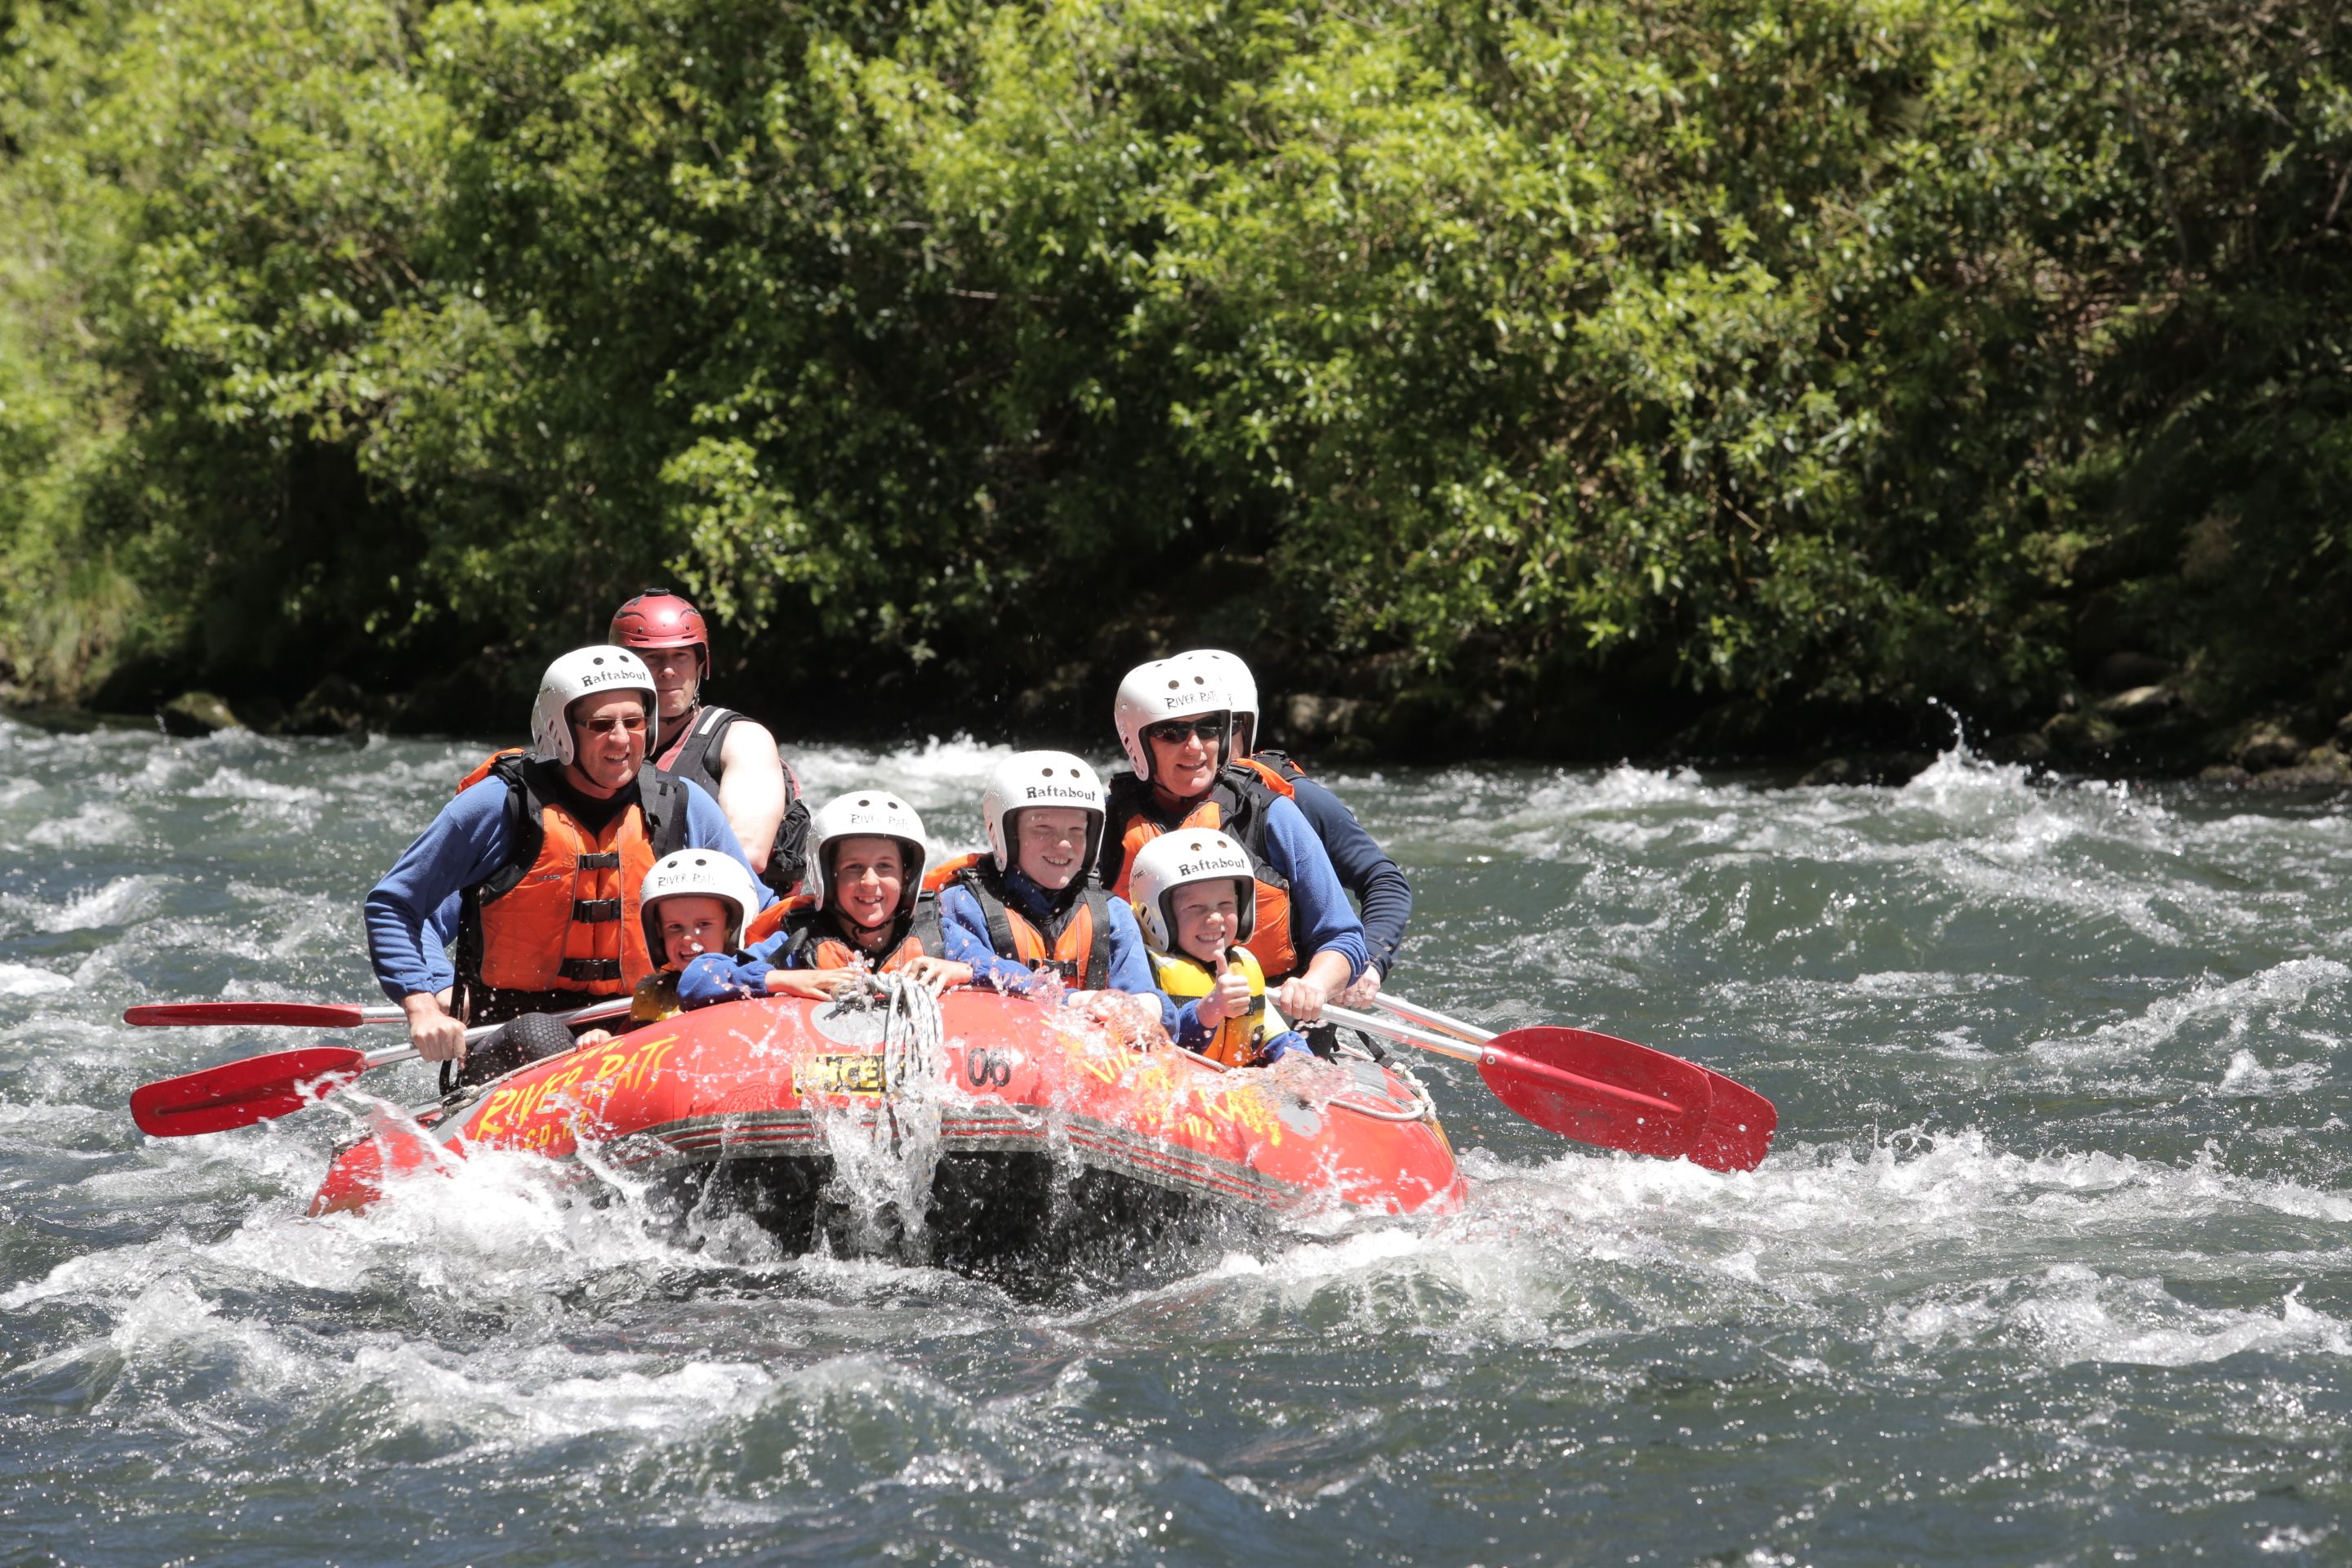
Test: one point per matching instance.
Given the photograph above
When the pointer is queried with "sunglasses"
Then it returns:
(633, 724)
(1176, 731)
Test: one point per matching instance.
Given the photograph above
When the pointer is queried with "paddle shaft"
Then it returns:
(1432, 1018)
(1481, 1056)
(1443, 1045)
(264, 1015)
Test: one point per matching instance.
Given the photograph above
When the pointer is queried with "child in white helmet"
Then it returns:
(1028, 908)
(867, 911)
(1195, 897)
(695, 905)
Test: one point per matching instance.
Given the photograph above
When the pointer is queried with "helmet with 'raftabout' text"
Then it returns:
(1029, 779)
(866, 813)
(1232, 672)
(659, 618)
(1165, 689)
(1179, 860)
(587, 672)
(697, 874)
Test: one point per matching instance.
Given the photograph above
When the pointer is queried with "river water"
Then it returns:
(2052, 1260)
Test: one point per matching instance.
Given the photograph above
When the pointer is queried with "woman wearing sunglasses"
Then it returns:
(1175, 721)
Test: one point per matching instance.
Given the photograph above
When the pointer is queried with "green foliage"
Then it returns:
(1850, 351)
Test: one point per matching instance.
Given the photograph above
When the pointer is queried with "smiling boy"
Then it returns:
(1027, 909)
(1195, 897)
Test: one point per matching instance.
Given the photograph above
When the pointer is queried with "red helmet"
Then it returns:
(660, 618)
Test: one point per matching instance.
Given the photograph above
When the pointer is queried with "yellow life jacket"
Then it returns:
(655, 998)
(1239, 1041)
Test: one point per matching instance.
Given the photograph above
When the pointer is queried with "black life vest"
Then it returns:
(699, 755)
(1289, 771)
(1073, 941)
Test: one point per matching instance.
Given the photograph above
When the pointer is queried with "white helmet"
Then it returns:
(1232, 672)
(587, 672)
(865, 813)
(1166, 688)
(696, 873)
(1177, 859)
(1039, 778)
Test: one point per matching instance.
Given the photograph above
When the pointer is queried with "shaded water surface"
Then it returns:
(2052, 1262)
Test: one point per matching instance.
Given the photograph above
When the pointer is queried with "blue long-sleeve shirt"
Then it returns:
(1319, 905)
(1383, 896)
(966, 930)
(464, 846)
(722, 977)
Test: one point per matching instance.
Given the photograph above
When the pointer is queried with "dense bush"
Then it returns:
(1832, 352)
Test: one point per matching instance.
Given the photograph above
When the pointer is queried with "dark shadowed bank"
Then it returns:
(1712, 379)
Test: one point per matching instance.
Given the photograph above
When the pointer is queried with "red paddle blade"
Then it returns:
(307, 1014)
(238, 1094)
(1612, 1093)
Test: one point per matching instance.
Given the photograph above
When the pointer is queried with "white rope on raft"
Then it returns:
(914, 1034)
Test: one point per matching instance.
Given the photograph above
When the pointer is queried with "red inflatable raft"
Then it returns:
(1018, 1128)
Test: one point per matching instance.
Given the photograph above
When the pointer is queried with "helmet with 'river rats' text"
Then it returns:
(1166, 689)
(866, 813)
(1229, 671)
(697, 874)
(587, 672)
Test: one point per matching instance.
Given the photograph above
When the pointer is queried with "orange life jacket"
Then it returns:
(1075, 940)
(559, 922)
(816, 942)
(1237, 804)
(770, 920)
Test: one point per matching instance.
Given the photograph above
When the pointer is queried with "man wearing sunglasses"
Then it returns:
(543, 855)
(1175, 721)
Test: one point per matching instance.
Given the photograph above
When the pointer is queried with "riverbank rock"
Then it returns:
(2129, 671)
(2027, 749)
(2080, 737)
(196, 713)
(1892, 768)
(2140, 705)
(2321, 767)
(2266, 746)
(334, 706)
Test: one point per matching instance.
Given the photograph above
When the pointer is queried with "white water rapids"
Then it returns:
(2053, 1261)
